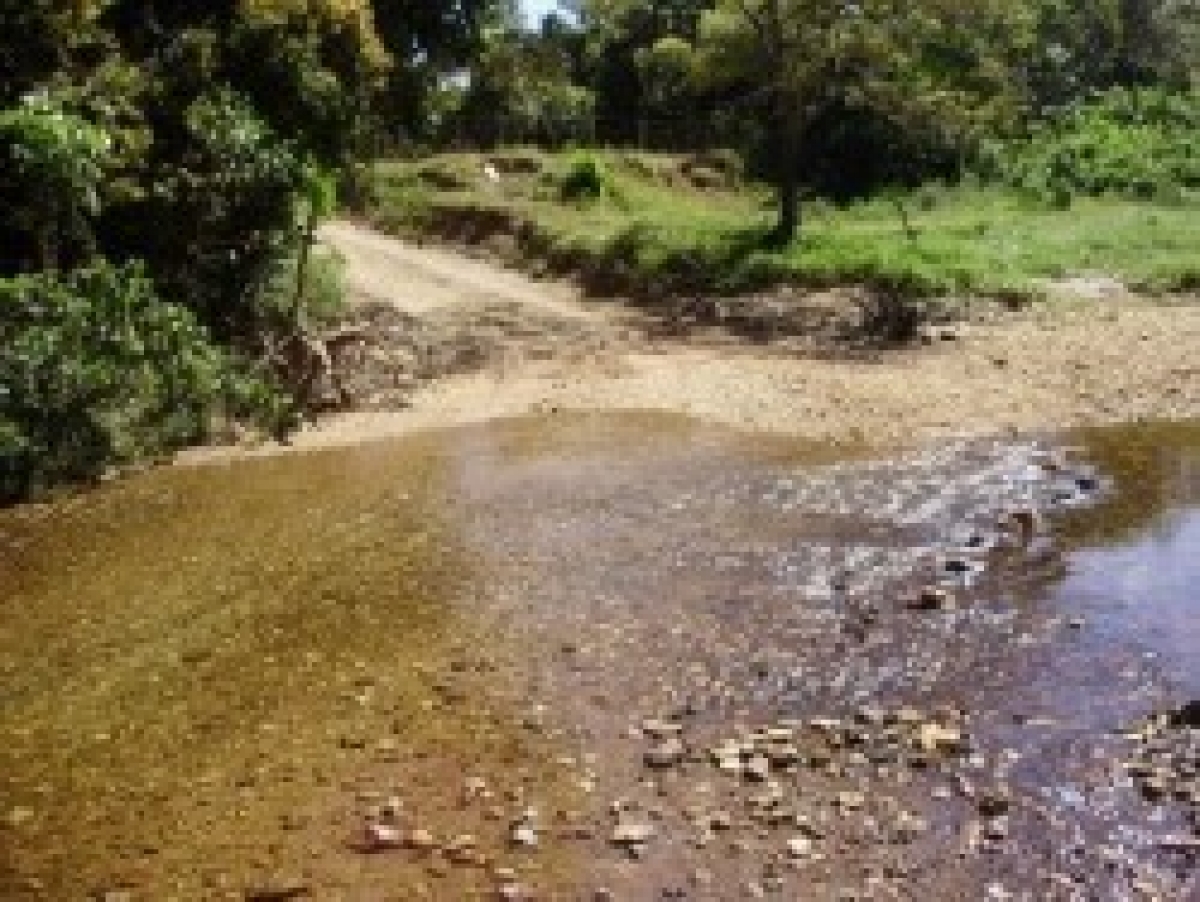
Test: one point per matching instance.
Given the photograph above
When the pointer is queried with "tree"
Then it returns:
(427, 41)
(519, 89)
(634, 79)
(934, 64)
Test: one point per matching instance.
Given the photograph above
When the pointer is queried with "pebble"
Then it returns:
(524, 836)
(661, 729)
(758, 768)
(631, 834)
(799, 846)
(935, 738)
(932, 598)
(17, 817)
(994, 802)
(851, 801)
(419, 839)
(667, 754)
(381, 837)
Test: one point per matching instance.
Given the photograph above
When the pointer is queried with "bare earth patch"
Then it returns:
(492, 343)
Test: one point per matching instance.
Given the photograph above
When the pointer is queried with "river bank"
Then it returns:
(447, 340)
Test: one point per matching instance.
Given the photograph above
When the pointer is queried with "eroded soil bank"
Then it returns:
(608, 657)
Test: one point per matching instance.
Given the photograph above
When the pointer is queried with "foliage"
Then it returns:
(637, 59)
(427, 42)
(585, 178)
(203, 140)
(1087, 46)
(1127, 142)
(59, 161)
(40, 41)
(519, 89)
(98, 371)
(942, 66)
(231, 189)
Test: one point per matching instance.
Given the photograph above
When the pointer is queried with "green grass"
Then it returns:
(655, 231)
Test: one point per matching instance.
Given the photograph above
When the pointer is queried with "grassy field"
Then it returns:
(670, 224)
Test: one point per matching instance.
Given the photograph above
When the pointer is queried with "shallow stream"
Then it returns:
(232, 681)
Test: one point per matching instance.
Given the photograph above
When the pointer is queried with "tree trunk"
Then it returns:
(787, 182)
(788, 226)
(305, 252)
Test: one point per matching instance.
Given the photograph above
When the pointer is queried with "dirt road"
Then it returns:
(420, 280)
(1078, 359)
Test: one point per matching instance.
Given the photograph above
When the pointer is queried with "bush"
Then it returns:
(60, 162)
(585, 179)
(1136, 144)
(97, 371)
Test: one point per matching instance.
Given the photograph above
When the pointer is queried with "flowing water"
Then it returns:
(231, 681)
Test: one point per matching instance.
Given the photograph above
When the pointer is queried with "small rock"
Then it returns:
(17, 817)
(381, 837)
(666, 754)
(933, 738)
(784, 755)
(730, 764)
(1187, 715)
(421, 840)
(799, 846)
(851, 801)
(758, 768)
(524, 836)
(1154, 787)
(994, 802)
(996, 829)
(932, 598)
(909, 827)
(631, 834)
(661, 729)
(720, 821)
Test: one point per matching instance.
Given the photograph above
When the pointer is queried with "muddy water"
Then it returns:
(214, 677)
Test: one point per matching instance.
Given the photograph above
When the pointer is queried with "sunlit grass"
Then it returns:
(661, 232)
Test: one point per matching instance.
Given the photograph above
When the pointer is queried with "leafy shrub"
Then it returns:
(1137, 144)
(98, 371)
(60, 160)
(585, 178)
(225, 206)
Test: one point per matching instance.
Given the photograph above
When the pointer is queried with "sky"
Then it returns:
(535, 9)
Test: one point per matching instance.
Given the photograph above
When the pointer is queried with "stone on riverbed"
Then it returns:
(668, 753)
(631, 834)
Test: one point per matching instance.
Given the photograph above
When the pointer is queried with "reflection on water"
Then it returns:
(1136, 573)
